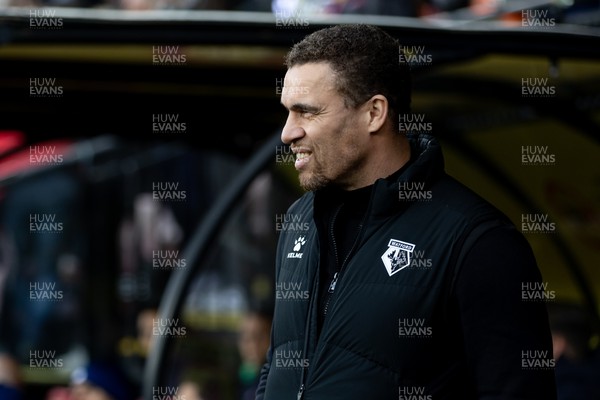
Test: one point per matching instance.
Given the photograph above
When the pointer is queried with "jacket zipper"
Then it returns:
(337, 261)
(336, 276)
(306, 336)
(300, 392)
(333, 283)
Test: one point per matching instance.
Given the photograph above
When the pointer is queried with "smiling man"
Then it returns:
(407, 289)
(337, 152)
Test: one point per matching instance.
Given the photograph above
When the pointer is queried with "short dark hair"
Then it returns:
(366, 61)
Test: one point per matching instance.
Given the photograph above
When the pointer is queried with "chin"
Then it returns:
(313, 182)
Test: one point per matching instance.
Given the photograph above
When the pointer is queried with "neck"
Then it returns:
(389, 154)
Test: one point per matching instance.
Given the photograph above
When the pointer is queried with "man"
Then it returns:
(252, 344)
(576, 352)
(99, 381)
(412, 281)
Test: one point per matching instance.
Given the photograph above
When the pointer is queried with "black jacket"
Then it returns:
(427, 307)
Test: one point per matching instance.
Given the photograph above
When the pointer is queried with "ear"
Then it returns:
(377, 112)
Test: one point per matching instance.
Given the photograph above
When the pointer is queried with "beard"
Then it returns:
(340, 174)
(331, 165)
(310, 181)
(314, 178)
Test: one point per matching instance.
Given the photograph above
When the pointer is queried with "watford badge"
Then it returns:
(397, 256)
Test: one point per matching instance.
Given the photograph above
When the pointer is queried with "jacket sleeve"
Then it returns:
(264, 372)
(504, 319)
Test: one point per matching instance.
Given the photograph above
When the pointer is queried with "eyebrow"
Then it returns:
(301, 107)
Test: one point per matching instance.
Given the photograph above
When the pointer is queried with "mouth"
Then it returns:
(302, 158)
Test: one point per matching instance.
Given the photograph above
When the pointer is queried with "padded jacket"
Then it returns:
(395, 327)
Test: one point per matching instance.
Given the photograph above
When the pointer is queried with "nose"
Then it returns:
(291, 131)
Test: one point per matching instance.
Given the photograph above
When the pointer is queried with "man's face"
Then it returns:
(83, 391)
(254, 338)
(329, 139)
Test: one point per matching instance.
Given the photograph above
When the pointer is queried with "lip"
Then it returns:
(301, 163)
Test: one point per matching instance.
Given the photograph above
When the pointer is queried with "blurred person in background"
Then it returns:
(135, 350)
(99, 381)
(190, 390)
(11, 381)
(41, 253)
(576, 351)
(295, 11)
(253, 343)
(198, 386)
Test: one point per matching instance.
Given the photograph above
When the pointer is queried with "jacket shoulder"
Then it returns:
(458, 198)
(302, 205)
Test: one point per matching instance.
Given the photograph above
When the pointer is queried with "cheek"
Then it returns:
(336, 142)
(350, 144)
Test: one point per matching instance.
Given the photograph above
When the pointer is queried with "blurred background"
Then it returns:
(143, 185)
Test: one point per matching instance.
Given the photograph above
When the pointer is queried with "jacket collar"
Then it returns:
(426, 167)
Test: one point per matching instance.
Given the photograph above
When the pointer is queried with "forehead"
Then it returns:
(307, 82)
(309, 73)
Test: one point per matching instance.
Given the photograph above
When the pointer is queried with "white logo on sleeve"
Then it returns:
(397, 256)
(298, 243)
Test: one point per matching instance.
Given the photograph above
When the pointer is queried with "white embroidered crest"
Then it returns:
(397, 256)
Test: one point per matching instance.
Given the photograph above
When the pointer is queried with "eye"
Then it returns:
(309, 114)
